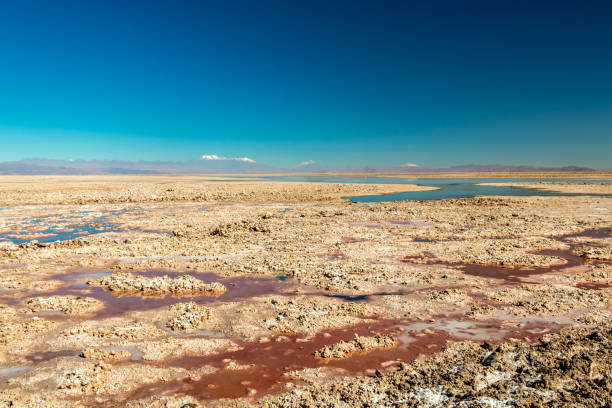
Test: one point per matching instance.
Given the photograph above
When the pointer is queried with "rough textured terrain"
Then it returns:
(173, 291)
(343, 349)
(126, 283)
(570, 369)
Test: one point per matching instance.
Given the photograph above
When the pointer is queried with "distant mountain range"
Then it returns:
(212, 164)
(479, 168)
(206, 165)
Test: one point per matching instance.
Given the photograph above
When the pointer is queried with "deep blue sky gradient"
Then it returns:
(343, 83)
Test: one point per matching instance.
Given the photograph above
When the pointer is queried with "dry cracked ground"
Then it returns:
(177, 291)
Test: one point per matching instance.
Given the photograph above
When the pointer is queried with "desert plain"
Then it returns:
(187, 291)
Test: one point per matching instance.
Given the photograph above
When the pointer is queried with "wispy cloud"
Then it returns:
(409, 165)
(215, 157)
(306, 163)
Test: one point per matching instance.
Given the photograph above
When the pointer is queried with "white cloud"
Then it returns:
(409, 165)
(306, 163)
(211, 157)
(215, 157)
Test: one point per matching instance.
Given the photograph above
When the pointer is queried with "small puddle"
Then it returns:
(334, 257)
(350, 298)
(84, 275)
(8, 372)
(596, 233)
(40, 357)
(51, 231)
(155, 231)
(392, 223)
(495, 329)
(57, 227)
(593, 285)
(512, 273)
(417, 222)
(367, 224)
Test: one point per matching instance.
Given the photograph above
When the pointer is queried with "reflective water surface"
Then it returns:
(446, 187)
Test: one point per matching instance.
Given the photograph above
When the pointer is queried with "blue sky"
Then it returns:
(342, 83)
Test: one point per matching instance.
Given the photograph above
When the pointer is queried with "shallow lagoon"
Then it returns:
(447, 187)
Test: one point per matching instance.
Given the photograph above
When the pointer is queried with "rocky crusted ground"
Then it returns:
(526, 300)
(64, 304)
(286, 264)
(111, 356)
(183, 285)
(188, 316)
(591, 252)
(22, 190)
(569, 369)
(359, 344)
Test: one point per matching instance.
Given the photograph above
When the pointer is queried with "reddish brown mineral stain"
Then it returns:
(350, 240)
(268, 362)
(424, 257)
(237, 288)
(335, 257)
(591, 233)
(592, 285)
(50, 355)
(513, 273)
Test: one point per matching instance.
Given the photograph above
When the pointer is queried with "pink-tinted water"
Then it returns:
(270, 362)
(116, 304)
(511, 273)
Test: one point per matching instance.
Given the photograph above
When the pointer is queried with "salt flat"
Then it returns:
(177, 290)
